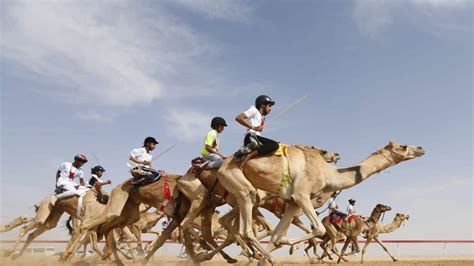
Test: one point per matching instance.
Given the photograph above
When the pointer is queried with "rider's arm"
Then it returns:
(81, 181)
(133, 159)
(242, 119)
(210, 149)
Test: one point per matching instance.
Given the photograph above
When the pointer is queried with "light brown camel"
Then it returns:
(379, 228)
(351, 227)
(47, 216)
(218, 196)
(122, 210)
(16, 222)
(310, 176)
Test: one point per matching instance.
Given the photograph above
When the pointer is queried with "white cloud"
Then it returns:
(95, 116)
(187, 124)
(373, 17)
(231, 10)
(106, 53)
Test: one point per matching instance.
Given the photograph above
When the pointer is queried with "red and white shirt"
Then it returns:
(69, 173)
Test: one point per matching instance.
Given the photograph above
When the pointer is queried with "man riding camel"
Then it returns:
(66, 176)
(96, 182)
(139, 162)
(254, 120)
(210, 150)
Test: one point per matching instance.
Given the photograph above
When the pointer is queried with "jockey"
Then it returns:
(140, 159)
(351, 209)
(95, 181)
(254, 120)
(66, 175)
(210, 149)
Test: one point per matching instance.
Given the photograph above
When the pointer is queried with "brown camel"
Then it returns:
(47, 216)
(379, 228)
(351, 227)
(16, 222)
(310, 176)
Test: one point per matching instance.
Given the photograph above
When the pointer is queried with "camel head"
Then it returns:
(398, 153)
(403, 216)
(329, 156)
(382, 208)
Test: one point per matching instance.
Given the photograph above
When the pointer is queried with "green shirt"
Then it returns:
(212, 140)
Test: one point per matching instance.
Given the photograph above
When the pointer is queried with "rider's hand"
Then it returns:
(259, 128)
(146, 163)
(109, 181)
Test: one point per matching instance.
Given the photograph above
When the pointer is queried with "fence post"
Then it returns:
(398, 249)
(445, 244)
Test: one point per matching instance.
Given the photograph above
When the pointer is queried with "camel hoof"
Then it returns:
(8, 252)
(395, 260)
(231, 260)
(294, 248)
(15, 256)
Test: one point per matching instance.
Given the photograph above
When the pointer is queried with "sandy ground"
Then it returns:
(288, 260)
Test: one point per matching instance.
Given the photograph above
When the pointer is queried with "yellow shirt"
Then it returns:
(211, 140)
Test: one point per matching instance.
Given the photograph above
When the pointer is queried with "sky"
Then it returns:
(97, 77)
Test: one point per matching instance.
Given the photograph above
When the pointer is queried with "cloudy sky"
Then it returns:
(97, 77)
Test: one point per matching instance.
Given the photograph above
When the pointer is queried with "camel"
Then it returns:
(217, 195)
(47, 216)
(15, 223)
(122, 210)
(310, 176)
(379, 228)
(351, 227)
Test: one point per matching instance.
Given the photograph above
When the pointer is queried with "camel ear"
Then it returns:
(391, 143)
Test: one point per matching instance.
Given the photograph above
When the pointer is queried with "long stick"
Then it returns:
(163, 153)
(288, 108)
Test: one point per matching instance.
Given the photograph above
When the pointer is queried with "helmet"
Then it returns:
(80, 157)
(263, 99)
(150, 140)
(352, 200)
(97, 169)
(216, 121)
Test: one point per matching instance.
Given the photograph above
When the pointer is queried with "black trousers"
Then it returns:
(268, 146)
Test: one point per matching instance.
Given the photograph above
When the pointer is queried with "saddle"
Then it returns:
(198, 165)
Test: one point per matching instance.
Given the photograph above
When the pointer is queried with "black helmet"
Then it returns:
(263, 99)
(97, 169)
(150, 140)
(218, 121)
(352, 200)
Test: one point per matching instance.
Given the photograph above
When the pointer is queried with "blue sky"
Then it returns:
(97, 78)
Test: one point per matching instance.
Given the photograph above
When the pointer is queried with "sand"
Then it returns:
(288, 260)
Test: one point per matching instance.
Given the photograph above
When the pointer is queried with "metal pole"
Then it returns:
(445, 244)
(398, 249)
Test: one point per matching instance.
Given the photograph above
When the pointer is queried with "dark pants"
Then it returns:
(268, 146)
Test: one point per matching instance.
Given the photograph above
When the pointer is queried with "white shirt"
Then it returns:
(140, 154)
(69, 173)
(254, 117)
(350, 209)
(332, 204)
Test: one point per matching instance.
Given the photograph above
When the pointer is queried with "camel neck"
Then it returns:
(394, 225)
(347, 177)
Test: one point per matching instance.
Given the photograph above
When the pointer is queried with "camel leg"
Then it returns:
(50, 223)
(93, 240)
(278, 236)
(384, 248)
(196, 195)
(118, 199)
(110, 241)
(206, 229)
(366, 245)
(22, 233)
(346, 244)
(304, 202)
(161, 240)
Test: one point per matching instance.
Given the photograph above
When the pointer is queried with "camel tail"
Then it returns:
(69, 225)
